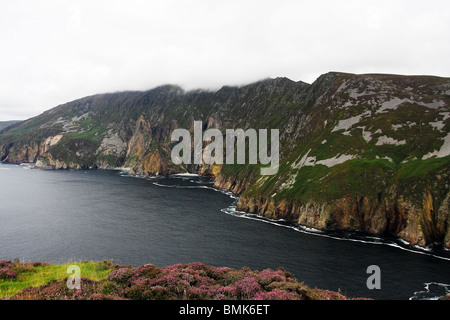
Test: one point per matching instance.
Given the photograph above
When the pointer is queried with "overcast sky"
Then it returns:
(52, 52)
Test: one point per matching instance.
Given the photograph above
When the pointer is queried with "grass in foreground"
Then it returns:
(36, 274)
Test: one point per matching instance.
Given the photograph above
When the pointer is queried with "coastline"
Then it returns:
(341, 235)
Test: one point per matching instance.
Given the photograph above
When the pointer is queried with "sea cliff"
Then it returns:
(369, 153)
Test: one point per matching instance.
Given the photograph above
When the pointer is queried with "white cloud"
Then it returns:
(55, 51)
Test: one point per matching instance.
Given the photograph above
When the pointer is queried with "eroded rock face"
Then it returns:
(49, 142)
(231, 184)
(391, 217)
(150, 164)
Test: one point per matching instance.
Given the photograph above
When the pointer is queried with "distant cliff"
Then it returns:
(6, 124)
(358, 152)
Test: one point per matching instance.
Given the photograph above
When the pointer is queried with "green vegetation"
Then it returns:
(132, 160)
(37, 274)
(153, 146)
(111, 161)
(420, 169)
(93, 136)
(6, 124)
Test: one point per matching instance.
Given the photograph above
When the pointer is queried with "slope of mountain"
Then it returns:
(358, 152)
(6, 124)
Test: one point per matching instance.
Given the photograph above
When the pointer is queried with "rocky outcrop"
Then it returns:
(232, 184)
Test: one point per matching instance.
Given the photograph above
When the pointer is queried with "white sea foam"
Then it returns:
(312, 231)
(27, 166)
(433, 291)
(186, 175)
(179, 187)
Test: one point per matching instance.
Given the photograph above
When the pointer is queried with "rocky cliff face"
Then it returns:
(358, 152)
(369, 153)
(395, 217)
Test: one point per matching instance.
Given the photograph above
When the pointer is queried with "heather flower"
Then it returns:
(173, 267)
(268, 276)
(100, 296)
(121, 275)
(4, 263)
(221, 269)
(157, 293)
(198, 266)
(135, 293)
(195, 293)
(232, 277)
(319, 294)
(193, 281)
(147, 271)
(196, 279)
(218, 273)
(295, 287)
(220, 296)
(7, 273)
(203, 292)
(147, 292)
(53, 290)
(276, 294)
(34, 264)
(247, 287)
(229, 291)
(110, 288)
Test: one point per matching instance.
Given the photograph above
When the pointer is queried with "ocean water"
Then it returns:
(61, 216)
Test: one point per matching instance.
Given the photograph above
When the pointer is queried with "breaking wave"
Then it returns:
(433, 291)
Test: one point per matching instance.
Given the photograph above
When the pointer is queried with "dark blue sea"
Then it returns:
(63, 216)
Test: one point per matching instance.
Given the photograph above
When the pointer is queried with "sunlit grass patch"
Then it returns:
(37, 274)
